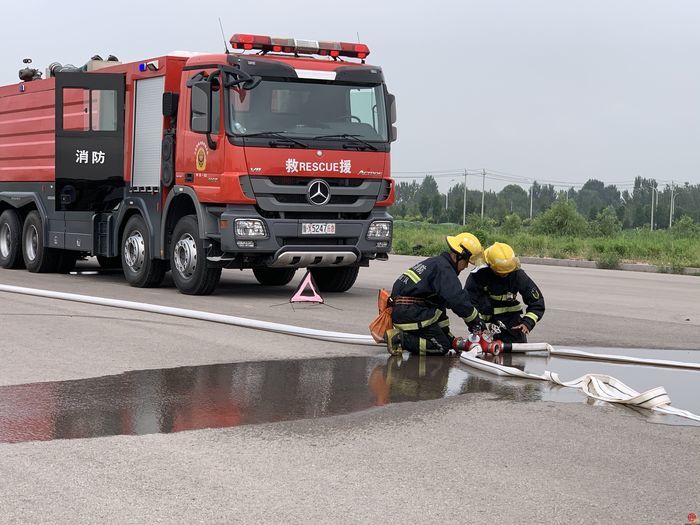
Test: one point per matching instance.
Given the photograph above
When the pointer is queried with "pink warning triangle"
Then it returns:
(307, 283)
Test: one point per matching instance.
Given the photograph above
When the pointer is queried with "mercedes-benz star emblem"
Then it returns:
(318, 192)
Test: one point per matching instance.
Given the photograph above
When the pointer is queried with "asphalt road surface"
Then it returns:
(474, 458)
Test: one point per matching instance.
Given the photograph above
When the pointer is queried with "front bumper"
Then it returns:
(285, 246)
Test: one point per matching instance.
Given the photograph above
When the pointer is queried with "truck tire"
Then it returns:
(37, 257)
(109, 263)
(10, 240)
(140, 268)
(188, 261)
(274, 276)
(335, 279)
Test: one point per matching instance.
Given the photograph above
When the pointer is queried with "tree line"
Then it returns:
(594, 201)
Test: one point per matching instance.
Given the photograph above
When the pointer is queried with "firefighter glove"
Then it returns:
(477, 325)
(528, 322)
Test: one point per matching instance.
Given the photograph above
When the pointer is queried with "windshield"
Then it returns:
(309, 109)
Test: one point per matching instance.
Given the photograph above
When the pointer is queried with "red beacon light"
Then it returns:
(268, 44)
(354, 50)
(283, 45)
(331, 49)
(245, 42)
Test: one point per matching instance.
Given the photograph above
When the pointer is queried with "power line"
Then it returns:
(504, 176)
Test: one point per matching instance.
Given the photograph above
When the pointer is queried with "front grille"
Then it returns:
(287, 194)
(290, 198)
(312, 215)
(343, 199)
(303, 181)
(301, 199)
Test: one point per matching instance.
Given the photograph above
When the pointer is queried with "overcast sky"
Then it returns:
(559, 90)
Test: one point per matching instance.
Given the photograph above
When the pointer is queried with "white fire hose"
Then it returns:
(604, 388)
(596, 386)
(323, 335)
(578, 354)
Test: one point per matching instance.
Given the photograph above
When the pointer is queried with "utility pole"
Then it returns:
(447, 194)
(670, 213)
(464, 204)
(483, 188)
(652, 208)
(675, 196)
(531, 195)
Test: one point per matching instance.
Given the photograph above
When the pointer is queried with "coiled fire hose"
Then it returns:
(604, 388)
(597, 386)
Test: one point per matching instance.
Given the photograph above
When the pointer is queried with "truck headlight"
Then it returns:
(379, 230)
(250, 228)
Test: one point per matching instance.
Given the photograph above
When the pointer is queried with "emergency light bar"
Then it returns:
(294, 45)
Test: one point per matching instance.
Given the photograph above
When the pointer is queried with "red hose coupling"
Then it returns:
(495, 347)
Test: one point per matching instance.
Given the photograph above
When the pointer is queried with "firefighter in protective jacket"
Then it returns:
(422, 294)
(494, 288)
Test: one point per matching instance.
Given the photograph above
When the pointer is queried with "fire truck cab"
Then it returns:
(273, 157)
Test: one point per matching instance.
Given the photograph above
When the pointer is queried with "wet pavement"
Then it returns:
(227, 395)
(681, 384)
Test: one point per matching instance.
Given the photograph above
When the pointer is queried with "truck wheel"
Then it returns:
(274, 276)
(140, 268)
(37, 257)
(335, 279)
(10, 243)
(109, 263)
(188, 260)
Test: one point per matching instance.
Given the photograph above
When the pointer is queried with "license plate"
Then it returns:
(318, 228)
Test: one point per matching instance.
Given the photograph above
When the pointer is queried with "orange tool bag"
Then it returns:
(382, 322)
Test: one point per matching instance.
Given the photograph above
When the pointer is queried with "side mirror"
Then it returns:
(201, 107)
(252, 83)
(170, 101)
(394, 134)
(392, 108)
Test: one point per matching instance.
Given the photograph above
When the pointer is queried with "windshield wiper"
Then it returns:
(348, 136)
(278, 134)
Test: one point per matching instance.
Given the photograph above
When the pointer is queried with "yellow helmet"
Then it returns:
(466, 243)
(501, 258)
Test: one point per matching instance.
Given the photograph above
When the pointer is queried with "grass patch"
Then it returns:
(661, 247)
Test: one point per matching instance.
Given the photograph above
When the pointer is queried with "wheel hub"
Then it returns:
(31, 242)
(135, 251)
(185, 256)
(5, 240)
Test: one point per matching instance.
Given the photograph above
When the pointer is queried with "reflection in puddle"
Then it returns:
(226, 395)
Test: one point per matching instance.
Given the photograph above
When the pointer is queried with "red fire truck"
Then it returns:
(272, 157)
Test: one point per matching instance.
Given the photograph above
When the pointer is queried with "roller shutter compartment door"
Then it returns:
(148, 132)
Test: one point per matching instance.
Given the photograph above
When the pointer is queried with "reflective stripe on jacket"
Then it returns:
(498, 296)
(436, 280)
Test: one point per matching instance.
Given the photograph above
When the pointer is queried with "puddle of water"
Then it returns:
(681, 384)
(227, 395)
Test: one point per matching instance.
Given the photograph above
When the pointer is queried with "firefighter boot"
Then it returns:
(393, 341)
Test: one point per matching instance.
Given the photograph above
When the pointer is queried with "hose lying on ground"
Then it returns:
(323, 335)
(601, 387)
(596, 386)
(578, 354)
